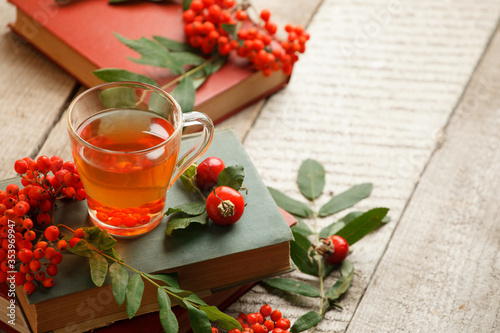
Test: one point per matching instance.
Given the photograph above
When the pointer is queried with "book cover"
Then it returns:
(78, 36)
(207, 258)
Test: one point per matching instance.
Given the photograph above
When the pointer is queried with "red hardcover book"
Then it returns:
(78, 36)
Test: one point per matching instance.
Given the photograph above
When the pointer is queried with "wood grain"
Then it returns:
(33, 91)
(441, 271)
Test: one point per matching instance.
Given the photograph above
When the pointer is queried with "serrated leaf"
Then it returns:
(198, 319)
(171, 279)
(174, 45)
(184, 94)
(346, 199)
(119, 281)
(290, 205)
(183, 221)
(135, 289)
(311, 179)
(187, 58)
(293, 286)
(167, 317)
(362, 225)
(82, 249)
(304, 262)
(306, 321)
(333, 228)
(192, 208)
(152, 53)
(232, 176)
(98, 268)
(302, 228)
(116, 75)
(215, 315)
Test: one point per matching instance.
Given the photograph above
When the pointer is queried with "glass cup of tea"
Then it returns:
(125, 139)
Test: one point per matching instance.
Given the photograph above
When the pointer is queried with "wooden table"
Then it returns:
(403, 94)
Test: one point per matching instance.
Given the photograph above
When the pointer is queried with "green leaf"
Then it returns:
(135, 289)
(186, 4)
(301, 240)
(152, 53)
(188, 178)
(167, 317)
(300, 256)
(346, 199)
(193, 298)
(116, 74)
(98, 268)
(187, 58)
(102, 240)
(293, 286)
(225, 321)
(306, 321)
(333, 228)
(229, 28)
(232, 176)
(170, 279)
(343, 283)
(119, 281)
(174, 45)
(311, 179)
(302, 228)
(214, 65)
(82, 249)
(184, 94)
(183, 221)
(199, 320)
(290, 205)
(192, 208)
(362, 225)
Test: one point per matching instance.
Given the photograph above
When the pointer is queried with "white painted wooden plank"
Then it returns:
(32, 92)
(368, 100)
(441, 271)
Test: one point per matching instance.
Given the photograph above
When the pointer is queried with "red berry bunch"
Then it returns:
(266, 320)
(207, 23)
(30, 251)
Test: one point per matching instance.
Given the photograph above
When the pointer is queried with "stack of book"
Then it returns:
(79, 37)
(217, 262)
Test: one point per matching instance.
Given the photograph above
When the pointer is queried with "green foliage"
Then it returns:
(232, 176)
(352, 227)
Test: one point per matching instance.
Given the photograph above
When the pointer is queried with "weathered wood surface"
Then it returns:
(369, 100)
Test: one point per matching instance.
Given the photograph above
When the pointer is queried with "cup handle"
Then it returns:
(191, 119)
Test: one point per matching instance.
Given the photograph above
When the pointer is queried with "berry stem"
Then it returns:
(65, 226)
(320, 262)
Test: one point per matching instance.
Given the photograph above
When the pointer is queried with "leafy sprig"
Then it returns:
(105, 261)
(352, 227)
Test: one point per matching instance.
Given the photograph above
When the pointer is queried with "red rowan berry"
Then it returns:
(276, 315)
(55, 165)
(266, 310)
(252, 318)
(258, 328)
(43, 163)
(50, 252)
(282, 323)
(35, 265)
(196, 6)
(29, 287)
(80, 233)
(30, 276)
(42, 245)
(269, 324)
(102, 217)
(52, 233)
(271, 27)
(73, 241)
(70, 166)
(48, 282)
(45, 205)
(57, 258)
(188, 16)
(265, 14)
(241, 15)
(38, 253)
(234, 330)
(21, 166)
(25, 255)
(51, 269)
(40, 276)
(12, 189)
(21, 208)
(62, 245)
(214, 330)
(24, 267)
(29, 235)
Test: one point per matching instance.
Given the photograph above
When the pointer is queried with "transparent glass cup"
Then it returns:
(125, 139)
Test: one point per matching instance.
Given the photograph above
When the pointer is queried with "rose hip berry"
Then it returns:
(340, 249)
(225, 205)
(207, 172)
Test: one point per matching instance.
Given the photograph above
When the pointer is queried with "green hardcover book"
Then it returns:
(207, 257)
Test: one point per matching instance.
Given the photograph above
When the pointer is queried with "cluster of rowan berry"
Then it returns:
(26, 246)
(266, 320)
(206, 28)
